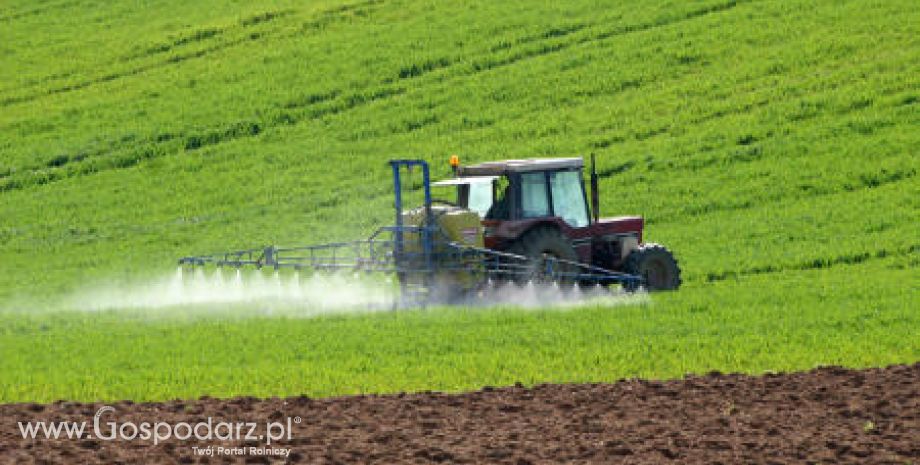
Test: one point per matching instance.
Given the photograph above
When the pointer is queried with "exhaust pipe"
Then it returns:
(595, 193)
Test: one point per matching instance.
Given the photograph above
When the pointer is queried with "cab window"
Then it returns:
(480, 198)
(534, 201)
(569, 198)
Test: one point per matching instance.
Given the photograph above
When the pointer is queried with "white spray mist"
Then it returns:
(264, 292)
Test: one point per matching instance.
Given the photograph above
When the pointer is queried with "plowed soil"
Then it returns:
(827, 415)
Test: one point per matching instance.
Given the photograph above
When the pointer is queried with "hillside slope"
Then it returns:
(755, 136)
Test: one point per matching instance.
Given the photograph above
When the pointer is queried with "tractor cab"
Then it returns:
(513, 190)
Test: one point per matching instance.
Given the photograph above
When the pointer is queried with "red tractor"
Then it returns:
(538, 208)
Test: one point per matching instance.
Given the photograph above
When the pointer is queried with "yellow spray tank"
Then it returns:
(454, 224)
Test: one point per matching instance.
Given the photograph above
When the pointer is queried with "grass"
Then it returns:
(771, 144)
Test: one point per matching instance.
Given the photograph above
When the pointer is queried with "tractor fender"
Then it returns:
(544, 223)
(501, 234)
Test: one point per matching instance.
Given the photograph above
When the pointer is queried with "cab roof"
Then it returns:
(503, 167)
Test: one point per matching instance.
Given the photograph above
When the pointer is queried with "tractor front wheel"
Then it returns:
(657, 265)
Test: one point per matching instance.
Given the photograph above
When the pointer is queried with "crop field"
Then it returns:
(773, 145)
(136, 355)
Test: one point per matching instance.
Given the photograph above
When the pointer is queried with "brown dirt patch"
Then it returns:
(827, 415)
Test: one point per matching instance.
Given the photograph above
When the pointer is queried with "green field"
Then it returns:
(773, 145)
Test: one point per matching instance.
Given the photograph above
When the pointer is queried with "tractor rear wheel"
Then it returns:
(538, 244)
(656, 264)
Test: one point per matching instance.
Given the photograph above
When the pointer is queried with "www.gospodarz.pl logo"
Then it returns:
(107, 428)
